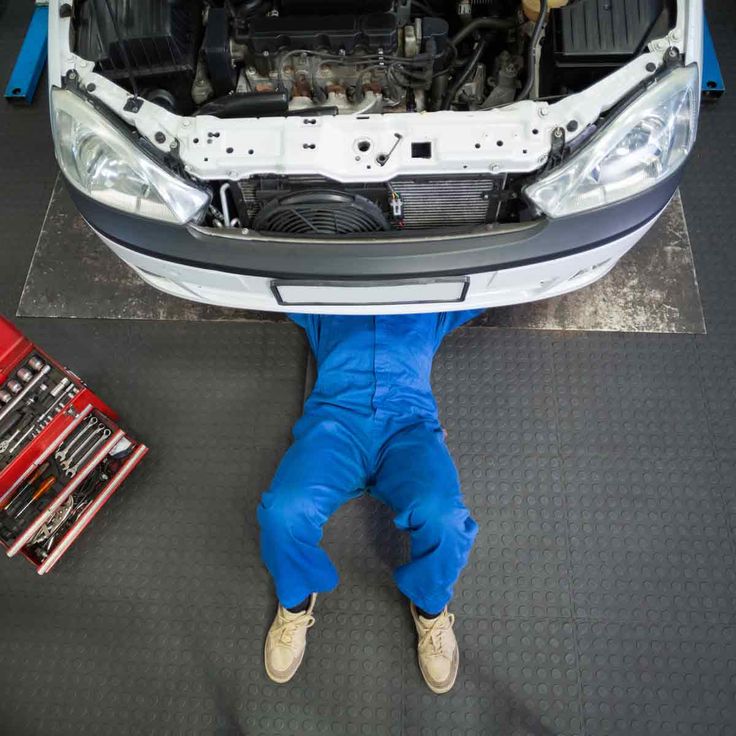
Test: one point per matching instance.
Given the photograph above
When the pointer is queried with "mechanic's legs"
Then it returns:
(323, 469)
(418, 480)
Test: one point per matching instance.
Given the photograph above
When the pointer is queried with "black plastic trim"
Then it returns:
(413, 256)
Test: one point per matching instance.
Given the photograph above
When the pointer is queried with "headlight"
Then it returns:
(102, 162)
(643, 144)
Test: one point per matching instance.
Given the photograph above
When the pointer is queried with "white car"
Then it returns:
(373, 156)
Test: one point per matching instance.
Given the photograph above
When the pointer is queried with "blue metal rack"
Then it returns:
(713, 84)
(31, 60)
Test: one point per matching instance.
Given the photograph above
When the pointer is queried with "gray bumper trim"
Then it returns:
(451, 255)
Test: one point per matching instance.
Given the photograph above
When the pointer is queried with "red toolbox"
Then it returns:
(62, 453)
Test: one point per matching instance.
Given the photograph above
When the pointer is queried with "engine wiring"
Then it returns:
(375, 62)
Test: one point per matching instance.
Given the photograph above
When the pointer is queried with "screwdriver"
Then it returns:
(27, 485)
(48, 483)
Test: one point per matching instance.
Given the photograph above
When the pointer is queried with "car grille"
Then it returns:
(409, 203)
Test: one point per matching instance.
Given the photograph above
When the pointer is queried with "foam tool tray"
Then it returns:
(62, 453)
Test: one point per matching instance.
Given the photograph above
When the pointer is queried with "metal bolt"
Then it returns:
(160, 137)
(495, 168)
(71, 74)
(543, 112)
(558, 133)
(174, 145)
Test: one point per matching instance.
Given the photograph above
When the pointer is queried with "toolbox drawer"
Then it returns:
(62, 453)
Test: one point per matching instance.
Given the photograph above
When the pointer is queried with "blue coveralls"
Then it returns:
(370, 423)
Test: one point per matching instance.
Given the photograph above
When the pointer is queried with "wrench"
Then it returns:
(6, 443)
(90, 438)
(61, 455)
(22, 439)
(71, 472)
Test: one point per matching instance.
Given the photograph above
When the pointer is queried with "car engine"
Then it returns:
(277, 58)
(257, 58)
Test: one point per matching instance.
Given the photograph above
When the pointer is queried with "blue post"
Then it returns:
(713, 84)
(31, 60)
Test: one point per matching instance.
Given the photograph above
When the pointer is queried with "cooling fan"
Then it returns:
(320, 212)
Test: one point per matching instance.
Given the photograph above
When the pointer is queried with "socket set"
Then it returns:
(62, 453)
(29, 401)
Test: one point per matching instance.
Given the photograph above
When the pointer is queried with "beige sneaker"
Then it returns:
(437, 649)
(286, 641)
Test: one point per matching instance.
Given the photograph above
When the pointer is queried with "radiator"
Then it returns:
(428, 203)
(423, 202)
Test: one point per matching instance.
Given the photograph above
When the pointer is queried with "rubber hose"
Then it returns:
(483, 24)
(532, 54)
(460, 81)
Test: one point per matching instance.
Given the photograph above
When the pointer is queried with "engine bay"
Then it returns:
(267, 58)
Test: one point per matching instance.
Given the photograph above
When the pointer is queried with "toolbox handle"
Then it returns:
(28, 534)
(91, 511)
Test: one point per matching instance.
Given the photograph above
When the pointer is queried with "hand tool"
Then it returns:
(29, 430)
(72, 471)
(36, 363)
(5, 444)
(29, 387)
(25, 375)
(62, 454)
(67, 463)
(43, 488)
(71, 390)
(56, 390)
(28, 484)
(10, 423)
(51, 527)
(14, 387)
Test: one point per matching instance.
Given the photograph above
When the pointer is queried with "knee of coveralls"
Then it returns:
(442, 535)
(291, 530)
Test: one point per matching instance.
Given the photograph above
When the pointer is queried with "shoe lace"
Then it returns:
(435, 632)
(286, 628)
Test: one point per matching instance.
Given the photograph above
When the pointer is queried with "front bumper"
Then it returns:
(500, 265)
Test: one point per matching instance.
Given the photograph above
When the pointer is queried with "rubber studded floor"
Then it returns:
(600, 599)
